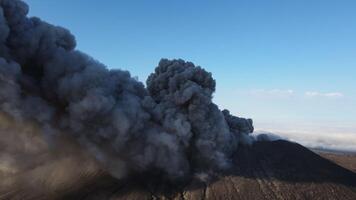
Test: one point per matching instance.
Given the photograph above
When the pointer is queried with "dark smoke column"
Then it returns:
(183, 93)
(171, 126)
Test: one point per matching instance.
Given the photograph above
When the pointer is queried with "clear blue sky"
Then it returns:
(279, 62)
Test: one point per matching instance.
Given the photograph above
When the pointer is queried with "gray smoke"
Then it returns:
(172, 125)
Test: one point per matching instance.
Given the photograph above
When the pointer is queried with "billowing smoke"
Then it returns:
(171, 125)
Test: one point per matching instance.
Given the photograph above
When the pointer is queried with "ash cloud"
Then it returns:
(171, 125)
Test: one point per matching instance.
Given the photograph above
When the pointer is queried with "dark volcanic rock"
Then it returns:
(344, 159)
(265, 170)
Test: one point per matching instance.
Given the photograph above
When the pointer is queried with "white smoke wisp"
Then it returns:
(266, 136)
(172, 125)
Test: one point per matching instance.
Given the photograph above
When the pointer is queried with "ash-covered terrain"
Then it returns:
(263, 170)
(344, 159)
(70, 128)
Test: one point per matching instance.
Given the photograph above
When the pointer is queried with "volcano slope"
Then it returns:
(344, 159)
(264, 170)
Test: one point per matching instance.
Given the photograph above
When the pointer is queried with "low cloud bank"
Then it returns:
(319, 140)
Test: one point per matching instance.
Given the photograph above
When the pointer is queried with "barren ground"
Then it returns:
(346, 160)
(266, 170)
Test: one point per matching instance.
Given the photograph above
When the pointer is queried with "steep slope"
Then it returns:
(265, 170)
(346, 160)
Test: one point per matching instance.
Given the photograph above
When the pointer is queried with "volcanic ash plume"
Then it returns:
(171, 125)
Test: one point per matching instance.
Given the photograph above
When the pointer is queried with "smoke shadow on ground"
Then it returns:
(262, 161)
(287, 161)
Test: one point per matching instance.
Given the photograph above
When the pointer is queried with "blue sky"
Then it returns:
(283, 63)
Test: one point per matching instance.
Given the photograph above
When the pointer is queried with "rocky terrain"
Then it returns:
(265, 170)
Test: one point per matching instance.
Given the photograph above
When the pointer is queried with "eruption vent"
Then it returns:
(171, 125)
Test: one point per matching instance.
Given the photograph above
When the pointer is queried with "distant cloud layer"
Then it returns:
(282, 93)
(328, 94)
(321, 140)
